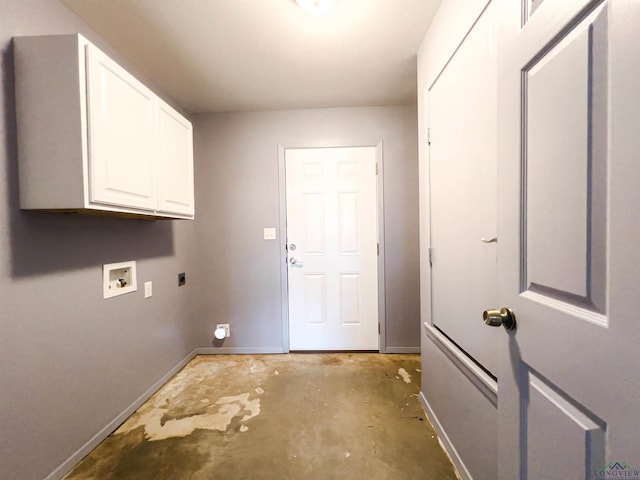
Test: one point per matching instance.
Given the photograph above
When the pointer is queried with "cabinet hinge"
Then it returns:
(378, 248)
(428, 135)
(430, 256)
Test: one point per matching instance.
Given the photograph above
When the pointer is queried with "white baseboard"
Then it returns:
(238, 350)
(82, 452)
(445, 442)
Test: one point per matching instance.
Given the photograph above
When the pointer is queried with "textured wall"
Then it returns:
(72, 361)
(237, 195)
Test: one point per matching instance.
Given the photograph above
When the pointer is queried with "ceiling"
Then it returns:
(233, 55)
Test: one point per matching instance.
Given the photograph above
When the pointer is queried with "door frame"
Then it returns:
(282, 227)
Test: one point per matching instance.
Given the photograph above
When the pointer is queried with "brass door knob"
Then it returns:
(504, 317)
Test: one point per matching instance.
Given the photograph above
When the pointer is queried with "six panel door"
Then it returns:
(332, 260)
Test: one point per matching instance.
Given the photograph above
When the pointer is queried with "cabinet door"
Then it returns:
(175, 162)
(121, 135)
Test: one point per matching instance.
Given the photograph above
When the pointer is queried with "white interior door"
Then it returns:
(463, 198)
(569, 190)
(332, 242)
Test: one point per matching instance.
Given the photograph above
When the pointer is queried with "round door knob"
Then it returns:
(504, 317)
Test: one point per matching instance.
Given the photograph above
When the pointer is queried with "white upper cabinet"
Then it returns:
(92, 138)
(122, 135)
(175, 167)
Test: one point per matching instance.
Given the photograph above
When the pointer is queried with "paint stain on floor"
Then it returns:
(404, 375)
(295, 416)
(159, 423)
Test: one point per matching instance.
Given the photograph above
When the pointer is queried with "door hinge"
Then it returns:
(376, 169)
(429, 136)
(378, 248)
(378, 329)
(430, 256)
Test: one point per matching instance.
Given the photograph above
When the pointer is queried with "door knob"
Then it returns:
(504, 317)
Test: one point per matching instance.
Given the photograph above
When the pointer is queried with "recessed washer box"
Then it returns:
(119, 278)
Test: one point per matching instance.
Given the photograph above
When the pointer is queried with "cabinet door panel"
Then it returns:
(175, 172)
(121, 135)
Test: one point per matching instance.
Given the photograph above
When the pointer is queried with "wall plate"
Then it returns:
(269, 233)
(226, 328)
(119, 278)
(148, 289)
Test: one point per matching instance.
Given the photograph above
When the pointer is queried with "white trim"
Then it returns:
(284, 280)
(66, 466)
(238, 350)
(445, 442)
(482, 381)
(382, 298)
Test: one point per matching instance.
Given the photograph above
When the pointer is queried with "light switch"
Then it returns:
(148, 289)
(269, 233)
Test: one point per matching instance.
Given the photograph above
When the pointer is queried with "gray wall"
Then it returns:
(237, 195)
(462, 410)
(71, 361)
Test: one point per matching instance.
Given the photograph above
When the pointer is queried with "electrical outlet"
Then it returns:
(182, 279)
(226, 328)
(270, 233)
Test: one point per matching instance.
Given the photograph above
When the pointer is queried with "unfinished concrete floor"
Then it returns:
(296, 416)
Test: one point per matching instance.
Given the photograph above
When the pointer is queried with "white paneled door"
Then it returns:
(332, 248)
(568, 260)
